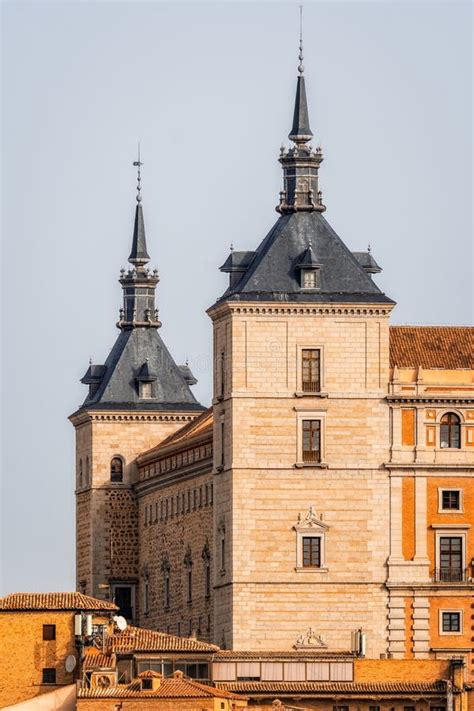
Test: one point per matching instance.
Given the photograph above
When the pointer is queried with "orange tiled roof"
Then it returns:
(170, 688)
(331, 687)
(228, 655)
(447, 347)
(149, 674)
(54, 601)
(200, 426)
(95, 659)
(136, 639)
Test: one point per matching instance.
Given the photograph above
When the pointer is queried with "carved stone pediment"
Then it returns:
(310, 640)
(311, 520)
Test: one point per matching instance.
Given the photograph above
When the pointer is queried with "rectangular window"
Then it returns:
(450, 559)
(49, 676)
(311, 370)
(311, 441)
(222, 443)
(408, 708)
(145, 597)
(451, 621)
(451, 500)
(145, 391)
(49, 632)
(374, 708)
(122, 597)
(340, 708)
(167, 591)
(311, 552)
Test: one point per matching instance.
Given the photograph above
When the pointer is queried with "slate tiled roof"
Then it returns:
(170, 688)
(272, 274)
(331, 687)
(54, 601)
(136, 639)
(447, 347)
(229, 655)
(118, 389)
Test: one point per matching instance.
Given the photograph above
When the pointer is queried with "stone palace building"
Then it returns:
(329, 488)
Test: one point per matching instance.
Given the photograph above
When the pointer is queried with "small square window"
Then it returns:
(147, 684)
(451, 621)
(49, 676)
(49, 632)
(451, 500)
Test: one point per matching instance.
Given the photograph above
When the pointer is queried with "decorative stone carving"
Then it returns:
(310, 639)
(311, 520)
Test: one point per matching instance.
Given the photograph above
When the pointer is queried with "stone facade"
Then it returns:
(262, 601)
(107, 512)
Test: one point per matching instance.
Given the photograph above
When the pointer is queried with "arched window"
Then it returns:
(116, 469)
(450, 431)
(80, 474)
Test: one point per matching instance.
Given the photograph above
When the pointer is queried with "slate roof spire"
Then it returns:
(300, 130)
(139, 283)
(139, 255)
(300, 163)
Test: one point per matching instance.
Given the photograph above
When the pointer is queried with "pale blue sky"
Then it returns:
(208, 88)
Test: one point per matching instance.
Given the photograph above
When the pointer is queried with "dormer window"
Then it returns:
(309, 270)
(145, 379)
(310, 279)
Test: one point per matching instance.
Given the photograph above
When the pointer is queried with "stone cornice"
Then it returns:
(429, 465)
(271, 309)
(468, 399)
(85, 416)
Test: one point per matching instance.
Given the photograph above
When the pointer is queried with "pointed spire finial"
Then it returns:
(139, 255)
(138, 164)
(300, 131)
(300, 55)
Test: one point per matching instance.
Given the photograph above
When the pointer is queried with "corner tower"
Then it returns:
(136, 398)
(301, 352)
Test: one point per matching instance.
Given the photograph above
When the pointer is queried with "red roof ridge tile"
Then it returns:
(54, 601)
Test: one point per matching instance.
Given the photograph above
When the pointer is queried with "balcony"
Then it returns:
(450, 575)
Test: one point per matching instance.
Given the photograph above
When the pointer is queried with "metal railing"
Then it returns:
(450, 575)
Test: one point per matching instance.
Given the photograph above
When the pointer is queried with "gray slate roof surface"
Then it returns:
(118, 389)
(272, 274)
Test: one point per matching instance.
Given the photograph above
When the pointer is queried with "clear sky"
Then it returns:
(208, 88)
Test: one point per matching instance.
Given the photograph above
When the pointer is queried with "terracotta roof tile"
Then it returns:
(200, 426)
(447, 347)
(170, 688)
(331, 687)
(54, 601)
(95, 659)
(136, 639)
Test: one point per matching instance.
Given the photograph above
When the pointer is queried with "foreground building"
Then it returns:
(37, 638)
(330, 486)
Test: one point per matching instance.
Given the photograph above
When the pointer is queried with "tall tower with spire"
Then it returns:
(301, 339)
(135, 399)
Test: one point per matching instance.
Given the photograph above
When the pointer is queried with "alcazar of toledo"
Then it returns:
(329, 488)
